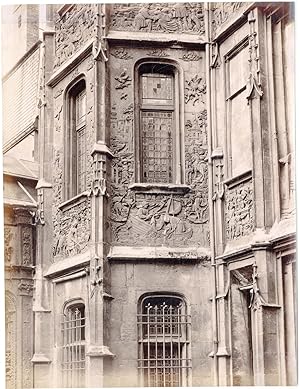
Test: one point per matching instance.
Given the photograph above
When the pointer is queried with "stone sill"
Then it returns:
(155, 37)
(160, 188)
(128, 253)
(73, 201)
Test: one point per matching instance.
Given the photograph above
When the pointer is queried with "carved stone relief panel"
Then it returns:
(239, 212)
(73, 29)
(27, 247)
(72, 230)
(157, 218)
(223, 12)
(158, 17)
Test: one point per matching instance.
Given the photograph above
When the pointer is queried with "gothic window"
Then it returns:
(158, 134)
(164, 341)
(76, 153)
(73, 346)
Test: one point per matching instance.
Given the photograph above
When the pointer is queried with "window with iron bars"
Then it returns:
(164, 341)
(73, 347)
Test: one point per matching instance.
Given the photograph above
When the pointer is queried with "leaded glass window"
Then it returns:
(157, 124)
(80, 140)
(164, 341)
(75, 141)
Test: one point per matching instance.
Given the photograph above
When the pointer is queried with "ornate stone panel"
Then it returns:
(239, 212)
(158, 17)
(156, 218)
(72, 229)
(26, 239)
(73, 29)
(223, 12)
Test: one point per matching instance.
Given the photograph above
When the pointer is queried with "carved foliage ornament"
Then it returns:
(159, 17)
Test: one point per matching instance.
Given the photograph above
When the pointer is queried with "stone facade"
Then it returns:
(166, 174)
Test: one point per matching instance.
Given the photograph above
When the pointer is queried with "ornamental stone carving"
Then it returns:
(123, 80)
(8, 249)
(158, 17)
(239, 213)
(191, 56)
(121, 54)
(73, 30)
(194, 90)
(72, 230)
(26, 241)
(25, 287)
(224, 11)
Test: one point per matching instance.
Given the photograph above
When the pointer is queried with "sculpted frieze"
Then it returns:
(156, 219)
(73, 30)
(224, 11)
(72, 231)
(159, 17)
(239, 213)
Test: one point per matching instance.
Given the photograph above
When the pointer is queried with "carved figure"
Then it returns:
(239, 211)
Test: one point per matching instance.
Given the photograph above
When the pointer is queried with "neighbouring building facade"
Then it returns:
(150, 195)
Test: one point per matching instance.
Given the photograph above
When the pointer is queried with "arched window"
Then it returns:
(158, 140)
(75, 150)
(164, 341)
(73, 346)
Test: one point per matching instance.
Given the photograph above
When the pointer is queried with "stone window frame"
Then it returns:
(178, 162)
(72, 305)
(183, 342)
(73, 90)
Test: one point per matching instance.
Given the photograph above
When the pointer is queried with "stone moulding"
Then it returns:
(160, 188)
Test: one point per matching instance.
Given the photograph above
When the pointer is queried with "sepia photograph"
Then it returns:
(149, 212)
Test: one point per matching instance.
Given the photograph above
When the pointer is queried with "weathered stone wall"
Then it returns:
(129, 282)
